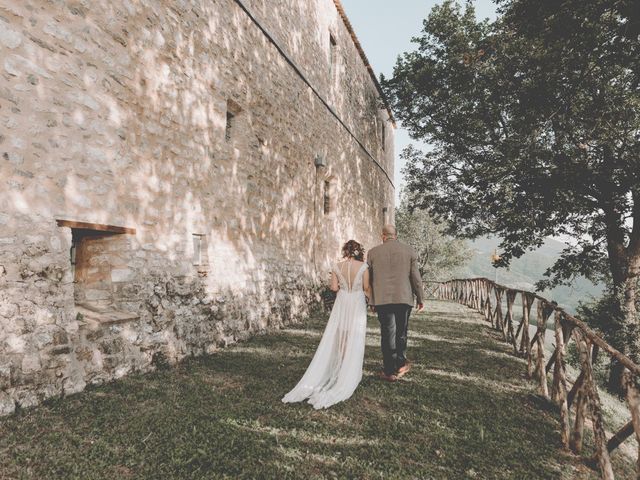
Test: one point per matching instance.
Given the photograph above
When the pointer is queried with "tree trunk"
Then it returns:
(630, 286)
(624, 264)
(630, 305)
(627, 334)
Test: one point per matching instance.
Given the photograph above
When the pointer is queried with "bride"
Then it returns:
(336, 368)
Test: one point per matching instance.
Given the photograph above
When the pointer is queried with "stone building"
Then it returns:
(176, 175)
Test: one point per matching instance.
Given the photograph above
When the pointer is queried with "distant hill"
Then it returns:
(525, 271)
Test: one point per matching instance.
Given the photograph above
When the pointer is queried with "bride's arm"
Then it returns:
(334, 285)
(365, 284)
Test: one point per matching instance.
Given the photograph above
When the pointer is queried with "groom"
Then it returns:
(395, 279)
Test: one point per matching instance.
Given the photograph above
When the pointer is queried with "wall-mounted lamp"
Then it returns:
(320, 161)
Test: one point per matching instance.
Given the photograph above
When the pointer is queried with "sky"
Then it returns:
(385, 29)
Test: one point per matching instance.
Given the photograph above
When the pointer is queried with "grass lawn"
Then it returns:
(464, 411)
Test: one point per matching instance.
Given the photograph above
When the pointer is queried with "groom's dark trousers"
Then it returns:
(394, 323)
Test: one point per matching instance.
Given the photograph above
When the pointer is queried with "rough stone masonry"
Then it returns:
(176, 175)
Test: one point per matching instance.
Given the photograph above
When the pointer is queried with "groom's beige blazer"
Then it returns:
(394, 275)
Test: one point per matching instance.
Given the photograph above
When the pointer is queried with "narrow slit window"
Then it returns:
(229, 126)
(383, 132)
(233, 111)
(333, 56)
(327, 197)
(197, 249)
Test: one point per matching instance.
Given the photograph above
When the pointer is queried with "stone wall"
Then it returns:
(160, 195)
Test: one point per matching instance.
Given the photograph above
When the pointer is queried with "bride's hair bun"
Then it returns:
(353, 249)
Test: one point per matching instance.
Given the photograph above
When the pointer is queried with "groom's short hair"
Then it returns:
(389, 231)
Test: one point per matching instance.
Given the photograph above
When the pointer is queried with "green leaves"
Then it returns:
(534, 125)
(439, 256)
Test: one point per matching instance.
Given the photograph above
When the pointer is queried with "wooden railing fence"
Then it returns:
(576, 403)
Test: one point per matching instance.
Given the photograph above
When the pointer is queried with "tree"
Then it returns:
(534, 121)
(439, 256)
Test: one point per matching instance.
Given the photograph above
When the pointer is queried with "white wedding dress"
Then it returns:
(336, 368)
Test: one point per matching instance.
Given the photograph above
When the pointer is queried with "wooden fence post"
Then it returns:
(489, 306)
(499, 321)
(525, 347)
(511, 297)
(577, 433)
(476, 294)
(601, 455)
(560, 379)
(540, 371)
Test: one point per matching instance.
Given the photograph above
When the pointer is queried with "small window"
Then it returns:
(200, 257)
(233, 110)
(227, 132)
(198, 249)
(327, 197)
(383, 133)
(329, 200)
(333, 56)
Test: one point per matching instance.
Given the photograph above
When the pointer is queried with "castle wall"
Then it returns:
(160, 195)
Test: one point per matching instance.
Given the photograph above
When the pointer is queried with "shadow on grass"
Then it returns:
(463, 412)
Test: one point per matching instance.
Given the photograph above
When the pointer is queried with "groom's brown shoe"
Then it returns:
(388, 378)
(403, 370)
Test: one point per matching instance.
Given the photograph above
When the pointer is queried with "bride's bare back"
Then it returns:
(349, 270)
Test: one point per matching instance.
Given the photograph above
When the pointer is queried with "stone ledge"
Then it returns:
(93, 315)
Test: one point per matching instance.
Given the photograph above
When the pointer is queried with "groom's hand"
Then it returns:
(420, 307)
